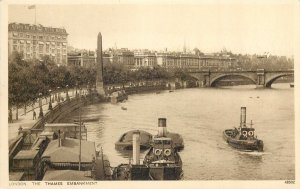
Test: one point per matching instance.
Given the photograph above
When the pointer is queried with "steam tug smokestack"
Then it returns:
(136, 147)
(243, 116)
(162, 127)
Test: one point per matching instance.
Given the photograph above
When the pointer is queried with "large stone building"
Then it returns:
(120, 56)
(194, 62)
(144, 58)
(82, 58)
(36, 41)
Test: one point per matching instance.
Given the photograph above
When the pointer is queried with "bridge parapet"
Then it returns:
(260, 77)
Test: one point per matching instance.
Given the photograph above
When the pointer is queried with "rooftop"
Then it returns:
(69, 151)
(26, 154)
(15, 176)
(35, 28)
(66, 175)
(62, 125)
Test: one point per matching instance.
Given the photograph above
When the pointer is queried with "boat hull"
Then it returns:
(164, 171)
(248, 145)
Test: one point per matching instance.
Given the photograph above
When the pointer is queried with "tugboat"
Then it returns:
(243, 137)
(163, 159)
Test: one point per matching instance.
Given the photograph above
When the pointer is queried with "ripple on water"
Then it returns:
(200, 116)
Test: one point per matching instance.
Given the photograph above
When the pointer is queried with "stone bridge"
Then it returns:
(260, 77)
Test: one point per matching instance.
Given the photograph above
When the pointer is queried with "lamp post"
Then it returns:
(50, 102)
(58, 96)
(67, 94)
(41, 114)
(88, 88)
(76, 94)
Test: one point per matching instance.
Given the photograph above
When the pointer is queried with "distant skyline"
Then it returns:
(240, 28)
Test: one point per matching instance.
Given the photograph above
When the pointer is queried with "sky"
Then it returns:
(240, 28)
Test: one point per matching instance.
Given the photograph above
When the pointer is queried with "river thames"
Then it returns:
(200, 115)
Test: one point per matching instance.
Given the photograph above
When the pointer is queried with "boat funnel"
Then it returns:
(243, 116)
(162, 127)
(136, 148)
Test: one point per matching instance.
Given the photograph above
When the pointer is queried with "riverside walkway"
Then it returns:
(26, 121)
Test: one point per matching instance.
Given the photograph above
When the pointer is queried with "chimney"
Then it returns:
(136, 147)
(243, 116)
(162, 127)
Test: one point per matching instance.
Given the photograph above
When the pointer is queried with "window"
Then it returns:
(15, 41)
(34, 42)
(21, 34)
(47, 48)
(52, 37)
(34, 37)
(28, 36)
(27, 48)
(53, 51)
(34, 48)
(41, 48)
(15, 47)
(21, 47)
(40, 37)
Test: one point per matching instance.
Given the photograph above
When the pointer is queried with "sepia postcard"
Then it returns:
(168, 94)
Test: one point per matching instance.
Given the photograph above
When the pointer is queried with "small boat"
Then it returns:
(118, 96)
(292, 85)
(243, 138)
(170, 91)
(123, 108)
(125, 141)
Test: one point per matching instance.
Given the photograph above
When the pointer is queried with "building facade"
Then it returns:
(121, 56)
(144, 58)
(36, 41)
(82, 58)
(192, 62)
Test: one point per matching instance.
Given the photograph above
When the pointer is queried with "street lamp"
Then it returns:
(50, 102)
(41, 114)
(76, 94)
(58, 96)
(88, 88)
(67, 94)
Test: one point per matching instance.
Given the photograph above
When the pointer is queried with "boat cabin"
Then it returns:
(246, 133)
(162, 146)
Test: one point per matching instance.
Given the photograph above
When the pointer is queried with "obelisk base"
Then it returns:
(99, 88)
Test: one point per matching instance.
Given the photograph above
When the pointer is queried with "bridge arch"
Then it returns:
(270, 81)
(219, 77)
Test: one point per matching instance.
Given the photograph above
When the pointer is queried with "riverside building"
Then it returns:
(192, 62)
(120, 56)
(36, 41)
(144, 58)
(83, 58)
